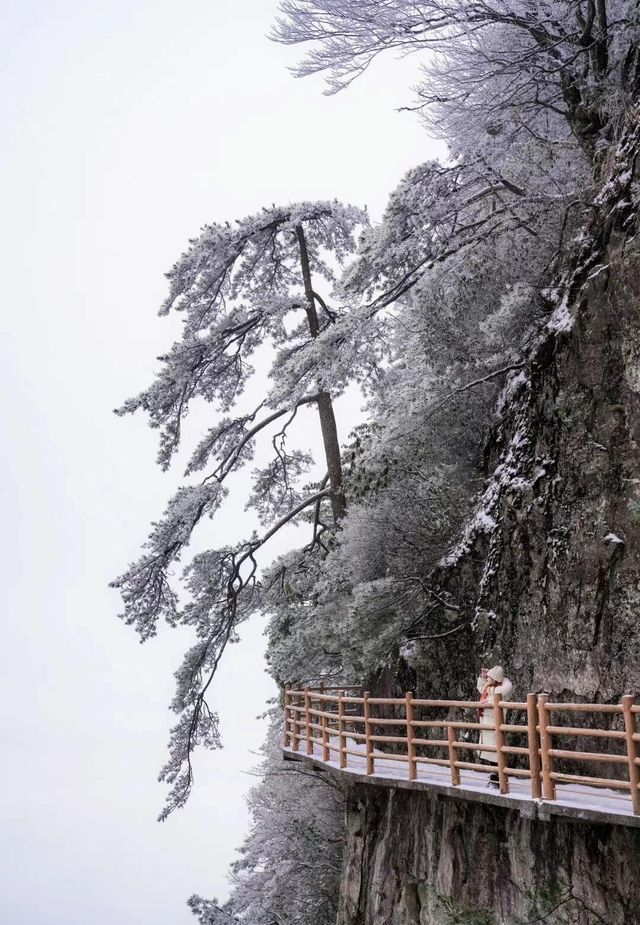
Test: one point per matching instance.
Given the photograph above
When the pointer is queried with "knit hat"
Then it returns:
(496, 674)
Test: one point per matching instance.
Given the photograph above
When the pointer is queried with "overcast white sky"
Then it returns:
(126, 124)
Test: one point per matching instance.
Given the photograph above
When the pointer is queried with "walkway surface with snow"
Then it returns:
(577, 801)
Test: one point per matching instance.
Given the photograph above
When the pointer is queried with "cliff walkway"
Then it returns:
(572, 759)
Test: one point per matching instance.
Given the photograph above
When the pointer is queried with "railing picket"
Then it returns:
(453, 755)
(533, 741)
(307, 719)
(633, 753)
(367, 732)
(324, 722)
(411, 748)
(342, 744)
(548, 783)
(295, 702)
(498, 713)
(289, 728)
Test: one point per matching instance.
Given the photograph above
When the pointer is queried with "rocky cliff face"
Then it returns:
(547, 576)
(416, 859)
(560, 585)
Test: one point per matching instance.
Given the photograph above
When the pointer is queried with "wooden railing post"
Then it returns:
(411, 749)
(548, 784)
(453, 755)
(533, 741)
(289, 728)
(341, 736)
(295, 719)
(307, 720)
(498, 713)
(367, 732)
(633, 752)
(325, 731)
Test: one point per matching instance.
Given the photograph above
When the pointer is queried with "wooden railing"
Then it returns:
(349, 724)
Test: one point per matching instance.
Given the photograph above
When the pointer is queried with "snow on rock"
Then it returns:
(507, 477)
(484, 522)
(407, 650)
(561, 320)
(515, 382)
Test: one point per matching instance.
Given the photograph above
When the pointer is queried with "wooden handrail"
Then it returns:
(465, 704)
(592, 733)
(315, 717)
(584, 707)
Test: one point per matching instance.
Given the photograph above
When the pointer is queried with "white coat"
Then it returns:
(488, 736)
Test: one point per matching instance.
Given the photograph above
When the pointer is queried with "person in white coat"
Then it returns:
(491, 681)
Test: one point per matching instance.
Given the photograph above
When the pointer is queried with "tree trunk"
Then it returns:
(325, 405)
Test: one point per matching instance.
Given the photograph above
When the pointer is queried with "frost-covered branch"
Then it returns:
(472, 385)
(222, 584)
(438, 213)
(491, 61)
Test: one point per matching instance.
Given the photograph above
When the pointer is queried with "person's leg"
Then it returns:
(494, 780)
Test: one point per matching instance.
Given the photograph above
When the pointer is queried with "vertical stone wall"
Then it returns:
(419, 859)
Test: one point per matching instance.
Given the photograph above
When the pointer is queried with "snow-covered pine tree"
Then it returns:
(289, 865)
(240, 288)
